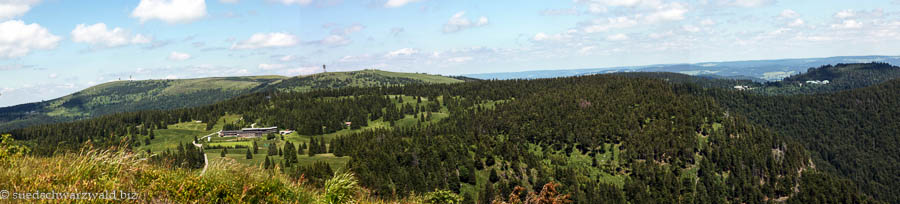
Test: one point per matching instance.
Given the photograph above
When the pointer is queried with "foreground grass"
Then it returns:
(99, 171)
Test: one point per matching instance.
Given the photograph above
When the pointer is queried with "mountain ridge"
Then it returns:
(163, 94)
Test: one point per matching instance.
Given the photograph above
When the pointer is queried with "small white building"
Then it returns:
(742, 87)
(823, 82)
(285, 132)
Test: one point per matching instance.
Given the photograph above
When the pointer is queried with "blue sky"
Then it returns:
(50, 48)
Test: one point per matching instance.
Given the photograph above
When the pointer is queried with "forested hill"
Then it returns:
(850, 126)
(839, 76)
(850, 133)
(363, 78)
(126, 96)
(605, 139)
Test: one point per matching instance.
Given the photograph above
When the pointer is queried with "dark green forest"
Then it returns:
(851, 133)
(604, 138)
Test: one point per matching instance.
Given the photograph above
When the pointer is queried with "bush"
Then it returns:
(340, 189)
(442, 197)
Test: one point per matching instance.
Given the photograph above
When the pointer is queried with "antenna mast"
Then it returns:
(323, 69)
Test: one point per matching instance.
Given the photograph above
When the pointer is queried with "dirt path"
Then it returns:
(205, 158)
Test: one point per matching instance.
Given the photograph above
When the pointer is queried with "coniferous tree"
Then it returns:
(273, 150)
(224, 151)
(312, 147)
(249, 154)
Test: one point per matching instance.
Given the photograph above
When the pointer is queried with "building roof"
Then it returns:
(251, 129)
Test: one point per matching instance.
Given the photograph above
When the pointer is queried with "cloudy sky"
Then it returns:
(49, 48)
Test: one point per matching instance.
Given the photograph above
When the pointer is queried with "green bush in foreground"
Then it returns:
(98, 171)
(340, 189)
(442, 197)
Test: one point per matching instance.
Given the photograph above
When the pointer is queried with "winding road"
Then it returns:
(205, 158)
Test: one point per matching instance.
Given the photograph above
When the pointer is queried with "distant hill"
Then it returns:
(832, 78)
(127, 96)
(824, 79)
(363, 78)
(771, 70)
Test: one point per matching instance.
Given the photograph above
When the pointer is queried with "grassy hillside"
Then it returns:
(126, 96)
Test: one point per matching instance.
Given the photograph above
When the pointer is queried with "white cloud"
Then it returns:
(597, 8)
(348, 30)
(459, 22)
(334, 40)
(670, 12)
(707, 22)
(787, 13)
(691, 28)
(561, 37)
(796, 22)
(586, 50)
(611, 23)
(18, 39)
(661, 35)
(460, 59)
(642, 12)
(271, 66)
(170, 11)
(750, 3)
(560, 12)
(845, 14)
(177, 56)
(15, 8)
(623, 3)
(398, 3)
(617, 37)
(98, 34)
(302, 70)
(402, 52)
(287, 58)
(267, 40)
(171, 77)
(53, 76)
(298, 2)
(848, 24)
(229, 1)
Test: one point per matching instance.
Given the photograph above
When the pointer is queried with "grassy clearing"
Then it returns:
(170, 138)
(186, 131)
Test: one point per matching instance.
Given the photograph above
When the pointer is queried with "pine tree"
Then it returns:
(249, 155)
(494, 177)
(152, 136)
(267, 164)
(312, 147)
(273, 150)
(224, 151)
(255, 148)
